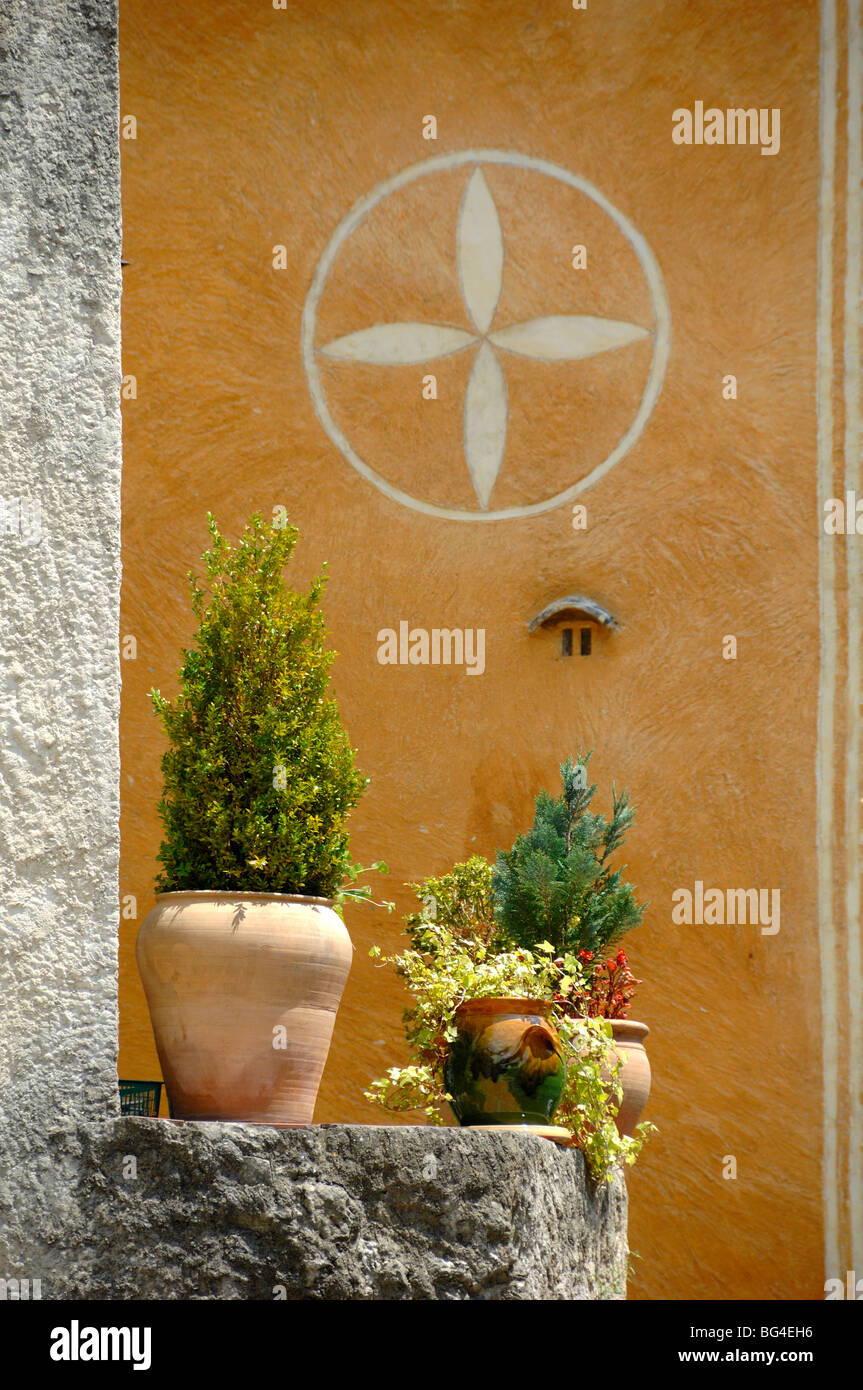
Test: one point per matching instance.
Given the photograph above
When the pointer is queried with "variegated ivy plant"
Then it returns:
(457, 952)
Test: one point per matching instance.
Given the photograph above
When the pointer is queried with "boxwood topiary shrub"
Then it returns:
(259, 777)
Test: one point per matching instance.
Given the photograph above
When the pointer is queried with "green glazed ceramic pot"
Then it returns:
(506, 1065)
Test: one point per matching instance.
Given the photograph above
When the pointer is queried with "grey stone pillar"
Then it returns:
(224, 1211)
(60, 450)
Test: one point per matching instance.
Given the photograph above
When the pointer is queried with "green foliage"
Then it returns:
(259, 777)
(348, 893)
(461, 900)
(454, 969)
(447, 963)
(556, 883)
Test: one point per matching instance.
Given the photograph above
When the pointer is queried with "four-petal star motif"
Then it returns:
(550, 338)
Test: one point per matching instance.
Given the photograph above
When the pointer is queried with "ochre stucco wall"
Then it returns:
(258, 127)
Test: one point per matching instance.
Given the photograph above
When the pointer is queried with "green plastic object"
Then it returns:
(140, 1097)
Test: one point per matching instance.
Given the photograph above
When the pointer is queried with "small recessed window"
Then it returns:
(585, 641)
(566, 642)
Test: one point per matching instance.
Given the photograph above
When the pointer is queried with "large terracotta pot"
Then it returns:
(634, 1071)
(506, 1065)
(243, 990)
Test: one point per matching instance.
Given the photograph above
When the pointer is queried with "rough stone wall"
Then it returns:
(60, 445)
(221, 1211)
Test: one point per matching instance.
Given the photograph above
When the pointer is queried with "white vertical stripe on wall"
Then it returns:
(827, 672)
(853, 789)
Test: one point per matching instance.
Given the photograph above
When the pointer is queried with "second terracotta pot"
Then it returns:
(634, 1071)
(243, 991)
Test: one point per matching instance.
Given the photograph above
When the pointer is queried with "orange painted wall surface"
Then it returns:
(257, 128)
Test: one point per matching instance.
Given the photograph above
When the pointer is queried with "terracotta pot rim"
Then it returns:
(640, 1030)
(505, 1003)
(226, 896)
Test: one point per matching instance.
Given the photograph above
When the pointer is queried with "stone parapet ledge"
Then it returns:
(157, 1209)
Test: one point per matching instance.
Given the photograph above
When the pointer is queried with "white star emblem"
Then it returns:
(552, 338)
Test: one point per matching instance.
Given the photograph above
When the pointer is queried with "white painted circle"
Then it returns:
(647, 260)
